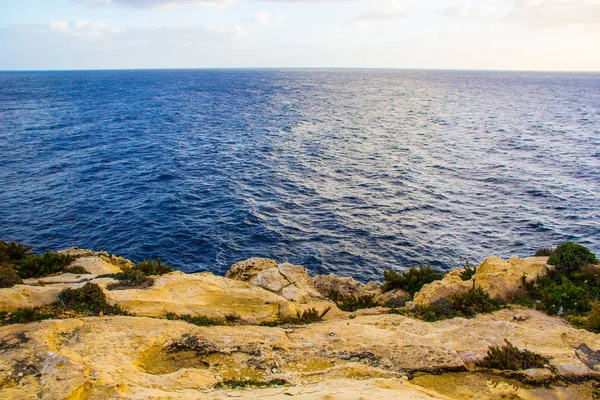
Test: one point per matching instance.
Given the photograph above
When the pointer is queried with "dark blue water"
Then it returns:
(350, 171)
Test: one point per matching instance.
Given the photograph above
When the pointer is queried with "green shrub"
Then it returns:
(199, 320)
(467, 305)
(77, 269)
(410, 281)
(556, 293)
(88, 299)
(592, 323)
(25, 315)
(8, 277)
(130, 279)
(468, 272)
(36, 265)
(475, 301)
(353, 302)
(150, 267)
(11, 252)
(570, 257)
(305, 317)
(509, 357)
(544, 252)
(238, 384)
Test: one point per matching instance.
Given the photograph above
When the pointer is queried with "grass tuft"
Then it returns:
(468, 272)
(244, 383)
(544, 252)
(509, 357)
(467, 305)
(410, 281)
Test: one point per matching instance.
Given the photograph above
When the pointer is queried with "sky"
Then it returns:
(542, 35)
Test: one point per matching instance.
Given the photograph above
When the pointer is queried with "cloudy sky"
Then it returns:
(489, 34)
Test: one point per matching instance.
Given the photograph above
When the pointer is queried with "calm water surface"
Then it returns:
(344, 171)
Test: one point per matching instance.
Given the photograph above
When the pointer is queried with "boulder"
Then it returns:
(345, 286)
(96, 265)
(203, 294)
(394, 298)
(247, 270)
(498, 277)
(449, 286)
(502, 278)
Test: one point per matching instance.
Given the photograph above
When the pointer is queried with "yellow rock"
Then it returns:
(203, 294)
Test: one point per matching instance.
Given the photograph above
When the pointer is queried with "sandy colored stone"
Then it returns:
(298, 276)
(95, 265)
(248, 269)
(128, 357)
(62, 278)
(345, 286)
(203, 294)
(270, 279)
(449, 286)
(392, 298)
(295, 294)
(23, 296)
(499, 278)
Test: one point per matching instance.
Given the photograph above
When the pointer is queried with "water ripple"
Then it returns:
(350, 172)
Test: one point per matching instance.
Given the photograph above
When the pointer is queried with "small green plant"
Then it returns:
(8, 277)
(309, 316)
(150, 268)
(353, 302)
(11, 252)
(557, 294)
(200, 320)
(468, 272)
(243, 383)
(130, 279)
(25, 315)
(410, 281)
(467, 305)
(88, 299)
(305, 317)
(544, 252)
(35, 265)
(76, 269)
(570, 257)
(509, 357)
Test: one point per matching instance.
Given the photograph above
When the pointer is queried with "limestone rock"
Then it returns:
(394, 298)
(501, 278)
(449, 286)
(95, 265)
(248, 269)
(24, 296)
(203, 294)
(345, 286)
(298, 276)
(288, 280)
(129, 357)
(498, 277)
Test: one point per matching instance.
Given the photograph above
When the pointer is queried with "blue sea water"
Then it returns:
(344, 171)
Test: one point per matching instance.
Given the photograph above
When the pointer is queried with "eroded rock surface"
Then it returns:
(203, 294)
(127, 356)
(367, 354)
(499, 278)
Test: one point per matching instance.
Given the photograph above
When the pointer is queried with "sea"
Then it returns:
(344, 171)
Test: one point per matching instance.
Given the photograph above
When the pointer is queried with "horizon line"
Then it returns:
(300, 68)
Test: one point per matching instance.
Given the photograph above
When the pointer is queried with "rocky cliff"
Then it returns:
(256, 343)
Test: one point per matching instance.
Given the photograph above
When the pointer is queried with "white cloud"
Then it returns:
(83, 28)
(264, 18)
(551, 14)
(153, 3)
(458, 11)
(392, 10)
